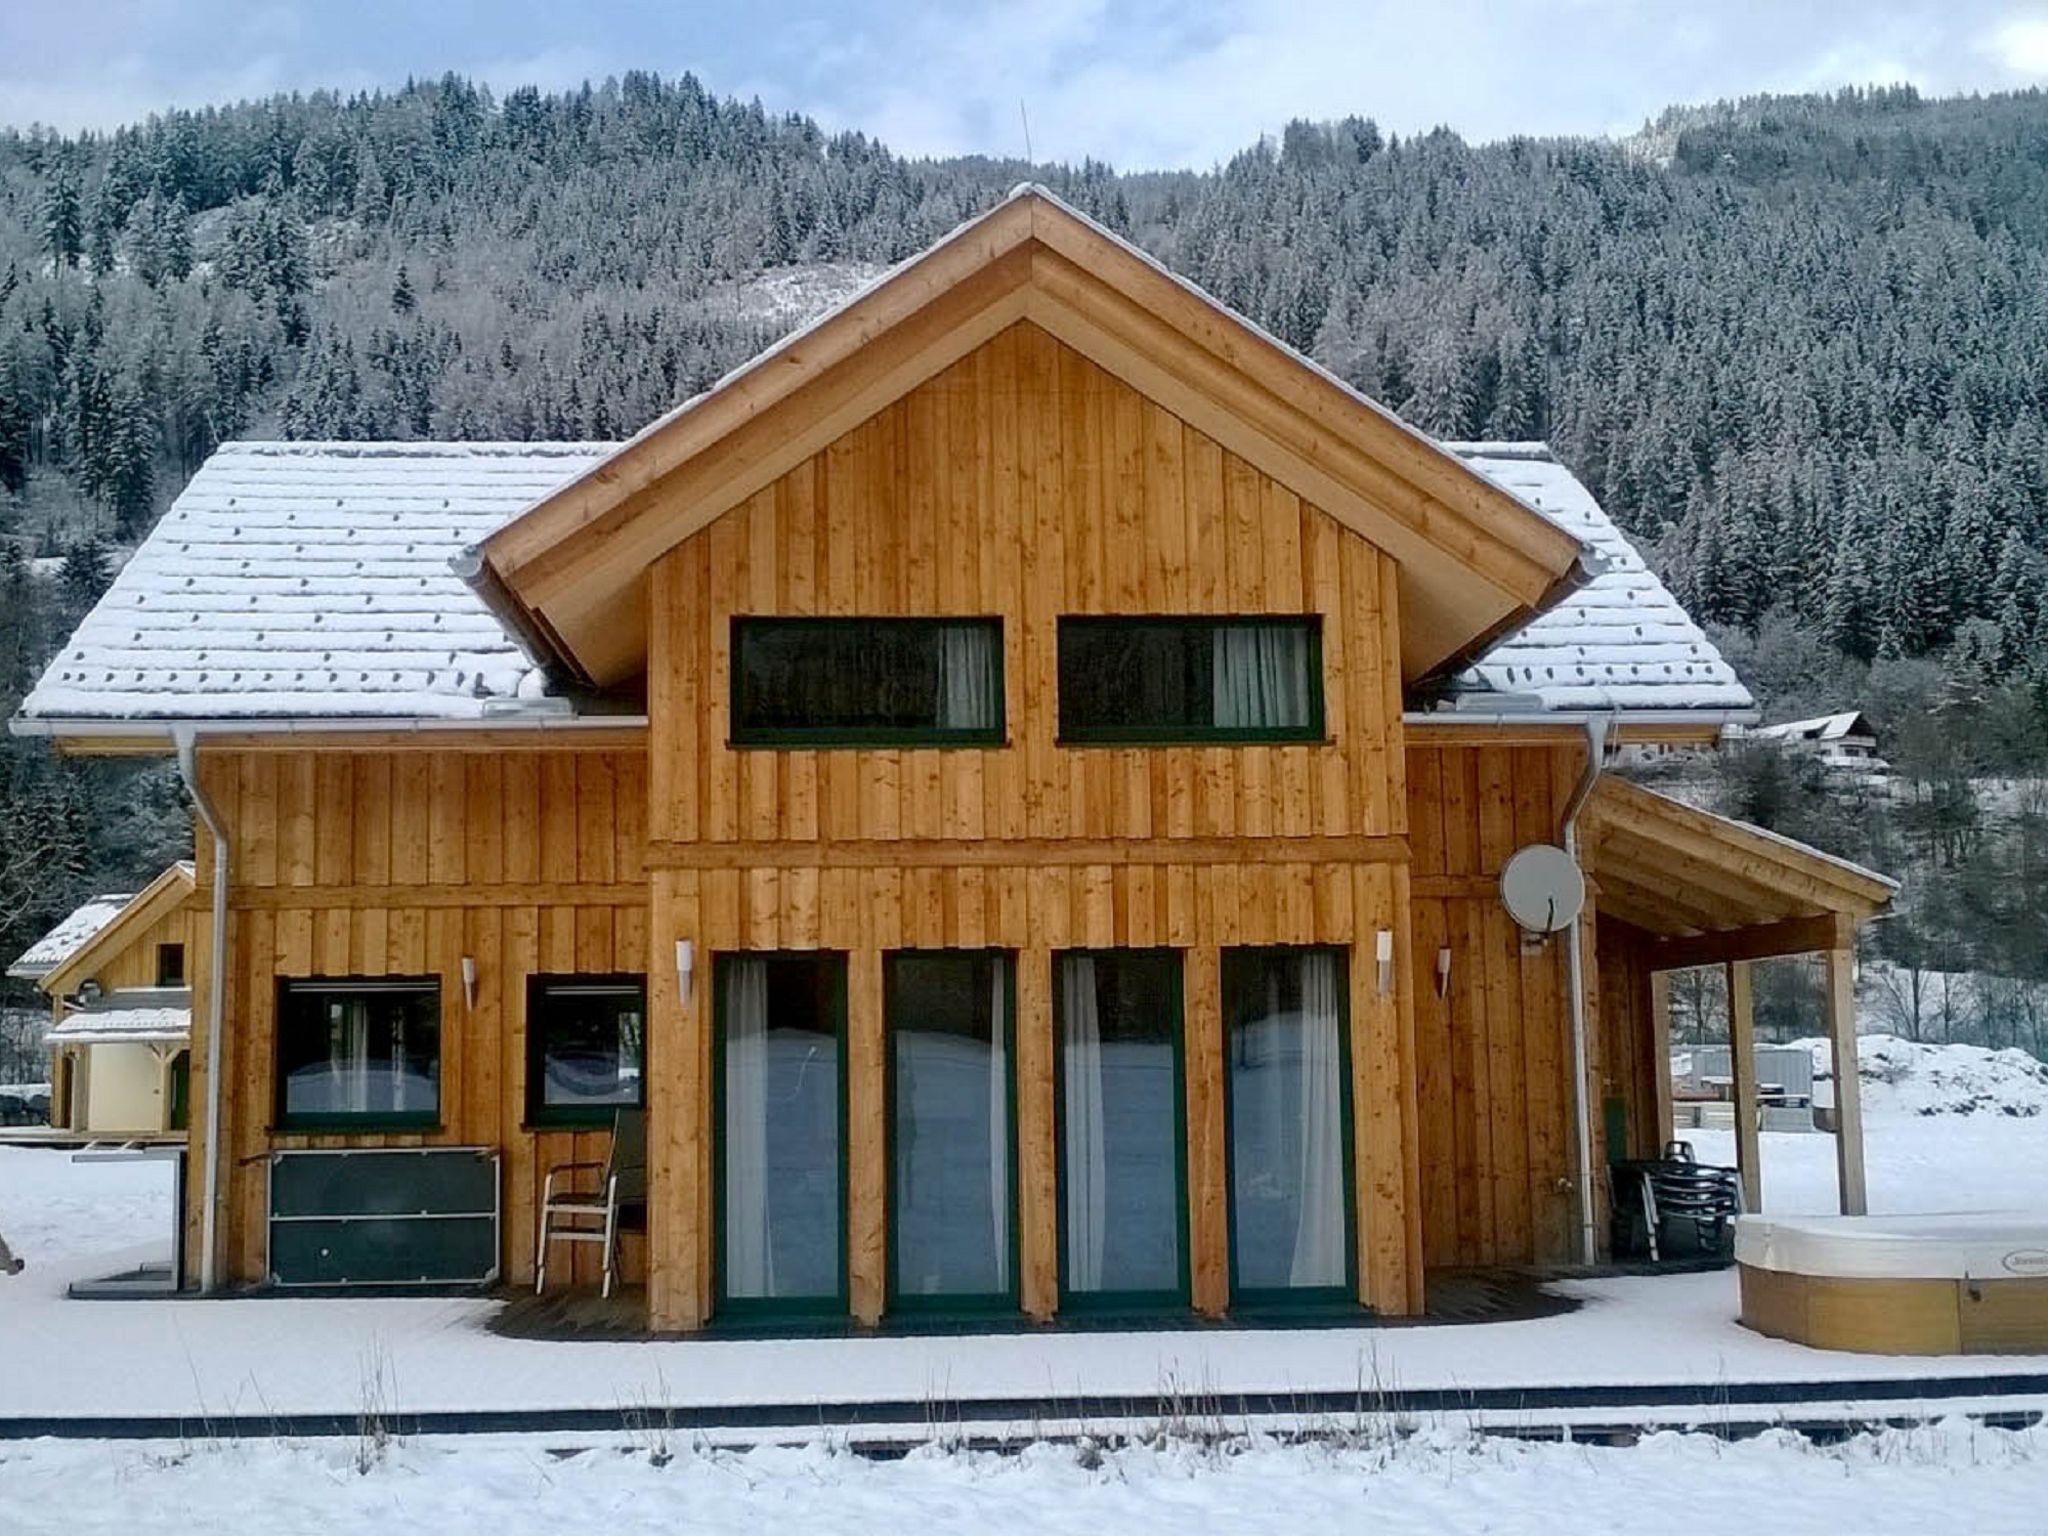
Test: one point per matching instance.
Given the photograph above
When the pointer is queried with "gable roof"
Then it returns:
(1474, 559)
(57, 946)
(167, 891)
(293, 579)
(1621, 641)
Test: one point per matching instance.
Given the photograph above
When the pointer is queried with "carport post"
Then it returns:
(1841, 991)
(1742, 1060)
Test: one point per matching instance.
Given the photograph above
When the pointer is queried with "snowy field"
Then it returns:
(355, 1356)
(1948, 1476)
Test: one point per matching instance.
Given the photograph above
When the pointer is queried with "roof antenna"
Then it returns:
(1025, 118)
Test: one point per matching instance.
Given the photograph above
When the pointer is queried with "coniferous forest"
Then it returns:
(1797, 346)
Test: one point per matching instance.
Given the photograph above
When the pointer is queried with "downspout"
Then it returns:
(216, 990)
(1582, 1112)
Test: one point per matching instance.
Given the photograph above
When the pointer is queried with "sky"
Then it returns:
(1146, 84)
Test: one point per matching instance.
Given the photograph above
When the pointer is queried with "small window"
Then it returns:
(1158, 680)
(170, 965)
(359, 1054)
(585, 1045)
(867, 682)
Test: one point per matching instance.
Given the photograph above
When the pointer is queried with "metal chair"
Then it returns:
(595, 1216)
(1675, 1207)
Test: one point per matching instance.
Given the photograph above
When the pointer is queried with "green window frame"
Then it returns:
(1128, 1302)
(301, 1002)
(1084, 694)
(1286, 1298)
(544, 994)
(846, 651)
(950, 1303)
(744, 1310)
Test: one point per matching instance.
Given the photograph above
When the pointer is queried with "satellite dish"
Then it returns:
(1542, 888)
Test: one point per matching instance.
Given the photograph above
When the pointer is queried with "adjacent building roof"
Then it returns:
(312, 579)
(158, 899)
(1850, 723)
(1621, 641)
(67, 938)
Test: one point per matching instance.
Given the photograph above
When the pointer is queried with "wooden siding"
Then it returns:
(1493, 1047)
(342, 865)
(1023, 482)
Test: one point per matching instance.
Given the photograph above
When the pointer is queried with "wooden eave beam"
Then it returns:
(1750, 900)
(1794, 936)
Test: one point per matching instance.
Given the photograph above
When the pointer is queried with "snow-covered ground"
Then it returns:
(1950, 1476)
(358, 1356)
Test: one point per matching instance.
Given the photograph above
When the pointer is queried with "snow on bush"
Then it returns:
(1914, 1078)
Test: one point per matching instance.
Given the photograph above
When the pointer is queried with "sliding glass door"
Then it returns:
(1289, 1105)
(952, 1181)
(1122, 1129)
(780, 1074)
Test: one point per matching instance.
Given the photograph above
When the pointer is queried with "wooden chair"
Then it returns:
(595, 1216)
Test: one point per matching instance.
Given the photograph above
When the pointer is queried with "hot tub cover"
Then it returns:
(1973, 1245)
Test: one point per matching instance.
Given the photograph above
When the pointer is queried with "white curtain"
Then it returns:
(1087, 1193)
(749, 1257)
(1261, 679)
(999, 1137)
(967, 678)
(1319, 1233)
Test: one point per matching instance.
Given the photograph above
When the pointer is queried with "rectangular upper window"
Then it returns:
(1159, 680)
(358, 1054)
(170, 965)
(585, 1041)
(867, 682)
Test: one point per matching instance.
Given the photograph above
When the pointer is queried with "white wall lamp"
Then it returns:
(686, 965)
(1443, 971)
(469, 982)
(1386, 957)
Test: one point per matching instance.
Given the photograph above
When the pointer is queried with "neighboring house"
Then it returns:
(1846, 742)
(1014, 781)
(121, 1009)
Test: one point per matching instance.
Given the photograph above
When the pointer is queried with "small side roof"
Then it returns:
(312, 579)
(1621, 641)
(125, 1025)
(62, 941)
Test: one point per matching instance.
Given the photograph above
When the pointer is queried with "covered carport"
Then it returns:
(1682, 887)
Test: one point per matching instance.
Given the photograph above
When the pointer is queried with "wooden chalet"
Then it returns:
(1013, 782)
(114, 971)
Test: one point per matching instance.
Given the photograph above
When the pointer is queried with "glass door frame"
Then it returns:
(983, 1304)
(1286, 1298)
(1181, 1298)
(819, 1308)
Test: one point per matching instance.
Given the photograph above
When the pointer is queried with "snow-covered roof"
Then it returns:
(1819, 728)
(1621, 641)
(312, 579)
(67, 938)
(124, 1026)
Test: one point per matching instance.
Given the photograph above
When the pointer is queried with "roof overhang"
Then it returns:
(567, 575)
(1707, 889)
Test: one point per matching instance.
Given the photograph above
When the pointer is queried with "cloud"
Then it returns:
(2021, 45)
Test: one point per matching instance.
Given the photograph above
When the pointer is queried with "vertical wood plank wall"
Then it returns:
(399, 864)
(1024, 482)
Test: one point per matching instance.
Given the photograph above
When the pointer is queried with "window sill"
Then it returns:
(869, 743)
(577, 1127)
(1239, 739)
(352, 1125)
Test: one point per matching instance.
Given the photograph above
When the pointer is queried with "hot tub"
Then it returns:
(1974, 1284)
